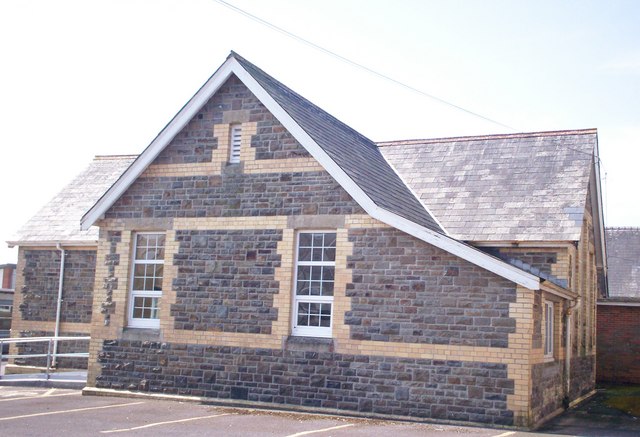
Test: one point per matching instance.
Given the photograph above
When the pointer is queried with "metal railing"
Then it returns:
(50, 347)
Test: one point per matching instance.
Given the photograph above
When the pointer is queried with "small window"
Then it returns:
(313, 294)
(549, 329)
(146, 280)
(235, 141)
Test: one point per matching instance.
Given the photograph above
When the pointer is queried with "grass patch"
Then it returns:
(624, 398)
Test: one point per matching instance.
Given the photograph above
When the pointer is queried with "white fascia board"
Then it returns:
(444, 242)
(558, 291)
(159, 143)
(599, 214)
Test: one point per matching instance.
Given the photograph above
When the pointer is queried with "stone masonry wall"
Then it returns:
(618, 344)
(225, 280)
(582, 376)
(195, 142)
(547, 389)
(405, 290)
(234, 194)
(41, 281)
(447, 390)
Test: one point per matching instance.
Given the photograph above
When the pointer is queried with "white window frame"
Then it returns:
(549, 329)
(136, 322)
(311, 331)
(235, 143)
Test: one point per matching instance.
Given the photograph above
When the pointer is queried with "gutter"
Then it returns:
(56, 332)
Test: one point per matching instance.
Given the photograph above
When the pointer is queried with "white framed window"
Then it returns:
(146, 280)
(235, 141)
(549, 329)
(314, 280)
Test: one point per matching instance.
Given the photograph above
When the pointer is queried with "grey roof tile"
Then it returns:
(501, 187)
(623, 260)
(59, 220)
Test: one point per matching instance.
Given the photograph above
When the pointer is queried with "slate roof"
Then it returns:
(357, 156)
(59, 220)
(623, 258)
(517, 187)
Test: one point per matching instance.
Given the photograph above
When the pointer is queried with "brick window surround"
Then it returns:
(146, 280)
(313, 284)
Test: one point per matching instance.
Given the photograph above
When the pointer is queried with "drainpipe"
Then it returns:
(567, 349)
(59, 306)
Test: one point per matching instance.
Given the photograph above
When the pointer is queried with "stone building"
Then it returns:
(260, 251)
(57, 262)
(619, 313)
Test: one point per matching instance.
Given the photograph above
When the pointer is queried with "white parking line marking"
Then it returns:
(298, 434)
(49, 413)
(39, 396)
(505, 434)
(49, 392)
(162, 423)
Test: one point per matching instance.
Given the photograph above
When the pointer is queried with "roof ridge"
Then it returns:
(114, 157)
(622, 228)
(491, 136)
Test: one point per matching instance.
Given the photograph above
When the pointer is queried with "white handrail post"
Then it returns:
(49, 356)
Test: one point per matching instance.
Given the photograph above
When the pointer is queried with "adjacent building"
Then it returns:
(57, 262)
(619, 314)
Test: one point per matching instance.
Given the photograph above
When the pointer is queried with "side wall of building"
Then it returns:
(575, 266)
(36, 296)
(619, 344)
(415, 331)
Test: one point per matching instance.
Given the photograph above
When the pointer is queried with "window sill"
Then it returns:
(309, 344)
(140, 334)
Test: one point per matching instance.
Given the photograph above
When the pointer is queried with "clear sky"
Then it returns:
(96, 77)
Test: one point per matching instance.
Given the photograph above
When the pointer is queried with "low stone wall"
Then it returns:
(422, 388)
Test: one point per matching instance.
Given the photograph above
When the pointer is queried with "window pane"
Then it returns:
(328, 273)
(141, 240)
(305, 240)
(303, 320)
(316, 273)
(315, 288)
(318, 240)
(329, 254)
(158, 254)
(138, 284)
(304, 273)
(302, 288)
(330, 239)
(304, 254)
(327, 288)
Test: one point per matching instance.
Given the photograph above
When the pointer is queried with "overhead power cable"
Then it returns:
(356, 64)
